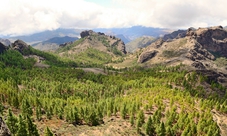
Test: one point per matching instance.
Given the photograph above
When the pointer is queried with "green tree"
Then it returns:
(161, 131)
(149, 127)
(12, 122)
(32, 129)
(140, 118)
(22, 128)
(123, 111)
(26, 108)
(48, 132)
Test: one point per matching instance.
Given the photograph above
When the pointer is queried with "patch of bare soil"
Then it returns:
(221, 121)
(113, 126)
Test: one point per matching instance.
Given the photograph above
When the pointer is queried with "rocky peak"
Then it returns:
(176, 34)
(86, 33)
(213, 39)
(20, 45)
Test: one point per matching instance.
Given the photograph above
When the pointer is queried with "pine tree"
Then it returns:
(12, 122)
(26, 108)
(149, 127)
(48, 132)
(140, 118)
(32, 129)
(1, 108)
(22, 131)
(123, 111)
(132, 119)
(161, 131)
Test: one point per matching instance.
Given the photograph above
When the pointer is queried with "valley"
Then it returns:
(92, 86)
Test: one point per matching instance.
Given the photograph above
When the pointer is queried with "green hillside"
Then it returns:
(155, 101)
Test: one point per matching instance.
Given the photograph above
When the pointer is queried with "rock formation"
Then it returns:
(20, 45)
(145, 56)
(4, 130)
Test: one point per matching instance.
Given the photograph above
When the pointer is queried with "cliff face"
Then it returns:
(2, 47)
(198, 48)
(213, 39)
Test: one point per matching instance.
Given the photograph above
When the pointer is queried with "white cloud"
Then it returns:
(28, 16)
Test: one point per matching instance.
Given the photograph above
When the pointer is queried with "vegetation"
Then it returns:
(157, 101)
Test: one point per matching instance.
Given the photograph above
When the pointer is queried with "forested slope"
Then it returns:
(155, 101)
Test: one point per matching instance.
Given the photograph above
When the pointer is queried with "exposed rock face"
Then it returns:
(145, 56)
(175, 34)
(4, 130)
(213, 39)
(20, 45)
(2, 47)
(86, 33)
(199, 53)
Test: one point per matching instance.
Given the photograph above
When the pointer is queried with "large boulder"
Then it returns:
(20, 45)
(145, 56)
(2, 47)
(4, 130)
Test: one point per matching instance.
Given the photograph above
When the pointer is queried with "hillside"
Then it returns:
(53, 43)
(94, 49)
(138, 43)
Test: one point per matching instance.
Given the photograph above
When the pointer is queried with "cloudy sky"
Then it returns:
(28, 16)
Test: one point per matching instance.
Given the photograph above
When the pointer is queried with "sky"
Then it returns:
(20, 17)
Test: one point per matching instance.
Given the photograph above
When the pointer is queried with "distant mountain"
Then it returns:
(53, 43)
(46, 35)
(134, 32)
(140, 42)
(123, 38)
(6, 42)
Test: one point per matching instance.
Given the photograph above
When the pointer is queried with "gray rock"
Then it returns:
(145, 56)
(4, 130)
(20, 45)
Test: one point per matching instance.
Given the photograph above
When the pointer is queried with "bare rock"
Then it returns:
(198, 65)
(86, 33)
(20, 45)
(145, 56)
(4, 130)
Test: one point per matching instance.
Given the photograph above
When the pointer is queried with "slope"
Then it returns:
(94, 49)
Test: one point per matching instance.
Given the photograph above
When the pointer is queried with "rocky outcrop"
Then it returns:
(199, 53)
(20, 45)
(86, 33)
(213, 39)
(145, 56)
(2, 47)
(4, 130)
(176, 34)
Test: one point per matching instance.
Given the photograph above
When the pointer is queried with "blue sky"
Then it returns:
(28, 16)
